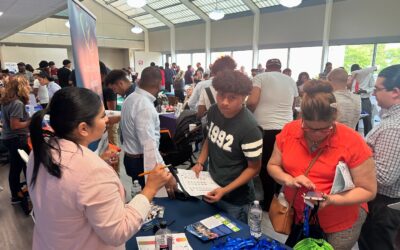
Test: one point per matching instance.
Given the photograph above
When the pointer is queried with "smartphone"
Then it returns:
(314, 196)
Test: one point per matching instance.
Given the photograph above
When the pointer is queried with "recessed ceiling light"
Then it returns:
(137, 30)
(1, 13)
(67, 24)
(290, 3)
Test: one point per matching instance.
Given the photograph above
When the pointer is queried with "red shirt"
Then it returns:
(346, 145)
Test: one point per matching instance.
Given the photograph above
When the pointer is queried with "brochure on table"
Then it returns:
(213, 227)
(180, 242)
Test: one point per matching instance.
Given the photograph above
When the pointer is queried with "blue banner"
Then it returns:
(84, 47)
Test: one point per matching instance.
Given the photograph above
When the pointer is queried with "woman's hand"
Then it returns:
(171, 187)
(214, 195)
(329, 200)
(111, 157)
(300, 181)
(156, 180)
(197, 168)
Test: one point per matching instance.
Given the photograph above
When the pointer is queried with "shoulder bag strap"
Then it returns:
(210, 96)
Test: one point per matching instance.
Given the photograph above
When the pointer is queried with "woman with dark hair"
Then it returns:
(318, 137)
(303, 78)
(15, 121)
(46, 80)
(78, 199)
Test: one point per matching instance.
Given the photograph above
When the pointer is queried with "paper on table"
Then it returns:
(196, 186)
(211, 222)
(180, 242)
(342, 181)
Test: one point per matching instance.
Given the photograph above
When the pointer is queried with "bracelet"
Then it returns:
(201, 164)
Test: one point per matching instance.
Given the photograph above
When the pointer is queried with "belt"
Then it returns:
(134, 156)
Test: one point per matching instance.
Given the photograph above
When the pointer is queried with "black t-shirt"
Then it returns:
(63, 76)
(231, 143)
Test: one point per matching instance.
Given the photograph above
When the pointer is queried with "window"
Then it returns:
(183, 60)
(359, 54)
(244, 58)
(336, 56)
(387, 54)
(216, 55)
(201, 58)
(265, 54)
(306, 59)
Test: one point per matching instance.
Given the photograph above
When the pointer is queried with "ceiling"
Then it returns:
(20, 14)
(182, 11)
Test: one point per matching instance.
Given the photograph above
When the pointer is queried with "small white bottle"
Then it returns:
(163, 237)
(254, 219)
(136, 188)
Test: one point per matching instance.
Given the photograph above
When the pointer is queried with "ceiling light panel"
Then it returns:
(228, 6)
(178, 14)
(158, 4)
(265, 3)
(148, 21)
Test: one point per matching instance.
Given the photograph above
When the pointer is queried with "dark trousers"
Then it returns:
(381, 226)
(179, 93)
(16, 163)
(270, 186)
(134, 167)
(366, 107)
(168, 86)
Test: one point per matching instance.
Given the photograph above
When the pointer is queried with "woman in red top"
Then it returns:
(340, 215)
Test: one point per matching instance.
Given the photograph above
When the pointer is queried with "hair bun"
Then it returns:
(313, 87)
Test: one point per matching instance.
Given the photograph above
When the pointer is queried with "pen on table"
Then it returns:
(152, 171)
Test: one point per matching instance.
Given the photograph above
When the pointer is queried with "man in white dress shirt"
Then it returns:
(140, 126)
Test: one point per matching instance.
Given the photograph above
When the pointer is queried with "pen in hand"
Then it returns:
(152, 171)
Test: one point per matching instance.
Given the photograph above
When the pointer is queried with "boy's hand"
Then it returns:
(197, 168)
(214, 195)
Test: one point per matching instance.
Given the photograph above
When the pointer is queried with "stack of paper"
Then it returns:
(342, 181)
(196, 186)
(180, 242)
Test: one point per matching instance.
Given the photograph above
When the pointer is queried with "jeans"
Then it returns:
(16, 163)
(238, 212)
(134, 167)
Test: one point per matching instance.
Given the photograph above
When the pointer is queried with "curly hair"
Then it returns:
(16, 88)
(318, 103)
(232, 81)
(223, 63)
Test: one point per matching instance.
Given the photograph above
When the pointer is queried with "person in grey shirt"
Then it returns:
(15, 121)
(349, 104)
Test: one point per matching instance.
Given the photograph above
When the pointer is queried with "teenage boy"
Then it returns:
(233, 145)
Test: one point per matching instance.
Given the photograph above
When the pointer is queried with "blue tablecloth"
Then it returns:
(185, 213)
(168, 121)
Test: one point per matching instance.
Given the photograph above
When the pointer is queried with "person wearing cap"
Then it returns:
(46, 80)
(63, 73)
(22, 71)
(271, 100)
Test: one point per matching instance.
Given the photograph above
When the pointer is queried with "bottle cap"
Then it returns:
(136, 182)
(256, 202)
(163, 224)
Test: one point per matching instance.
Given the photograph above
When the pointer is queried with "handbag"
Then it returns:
(309, 229)
(282, 216)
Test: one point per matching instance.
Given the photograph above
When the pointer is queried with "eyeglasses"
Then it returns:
(377, 89)
(317, 130)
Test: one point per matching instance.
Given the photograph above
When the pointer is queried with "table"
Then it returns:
(168, 121)
(188, 212)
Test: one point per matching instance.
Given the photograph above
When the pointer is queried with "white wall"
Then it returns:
(114, 58)
(32, 55)
(143, 60)
(353, 21)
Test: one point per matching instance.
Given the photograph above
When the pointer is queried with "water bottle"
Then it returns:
(136, 188)
(163, 237)
(254, 219)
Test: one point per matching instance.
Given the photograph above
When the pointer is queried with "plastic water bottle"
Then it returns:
(254, 219)
(163, 237)
(136, 188)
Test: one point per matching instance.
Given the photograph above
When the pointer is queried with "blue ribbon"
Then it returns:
(248, 244)
(306, 226)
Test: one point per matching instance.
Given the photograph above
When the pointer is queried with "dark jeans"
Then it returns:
(16, 163)
(134, 167)
(381, 226)
(366, 107)
(270, 186)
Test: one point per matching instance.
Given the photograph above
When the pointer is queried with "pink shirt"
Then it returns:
(85, 209)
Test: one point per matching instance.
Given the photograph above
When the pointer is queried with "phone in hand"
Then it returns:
(314, 196)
